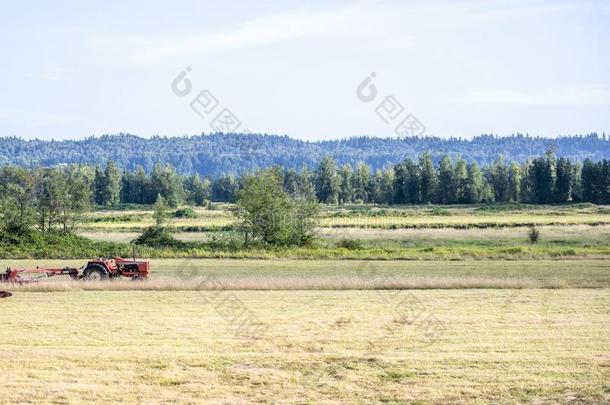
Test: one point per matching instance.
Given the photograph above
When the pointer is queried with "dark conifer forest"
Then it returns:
(216, 155)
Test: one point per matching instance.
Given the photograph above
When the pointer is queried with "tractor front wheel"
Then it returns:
(96, 273)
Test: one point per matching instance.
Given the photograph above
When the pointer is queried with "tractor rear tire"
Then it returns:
(96, 272)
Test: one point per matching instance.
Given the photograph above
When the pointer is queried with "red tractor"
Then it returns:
(103, 269)
(99, 269)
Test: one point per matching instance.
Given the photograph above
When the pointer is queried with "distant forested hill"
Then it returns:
(217, 154)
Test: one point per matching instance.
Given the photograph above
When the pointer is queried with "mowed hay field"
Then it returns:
(236, 331)
(487, 317)
(432, 346)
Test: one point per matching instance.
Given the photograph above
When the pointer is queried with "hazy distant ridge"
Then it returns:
(218, 154)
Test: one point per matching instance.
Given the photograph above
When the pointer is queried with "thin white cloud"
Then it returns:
(368, 22)
(569, 96)
(262, 31)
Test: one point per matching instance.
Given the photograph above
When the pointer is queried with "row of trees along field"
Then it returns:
(542, 180)
(55, 197)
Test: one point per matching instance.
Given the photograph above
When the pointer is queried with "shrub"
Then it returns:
(227, 241)
(533, 234)
(350, 244)
(186, 212)
(56, 245)
(158, 237)
(438, 211)
(160, 234)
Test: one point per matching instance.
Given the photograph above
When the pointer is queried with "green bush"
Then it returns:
(158, 237)
(54, 245)
(350, 244)
(186, 212)
(533, 234)
(226, 241)
(438, 211)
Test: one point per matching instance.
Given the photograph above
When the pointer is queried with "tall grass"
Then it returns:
(280, 283)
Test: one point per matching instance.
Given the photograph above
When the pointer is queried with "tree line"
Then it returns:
(219, 154)
(543, 180)
(54, 198)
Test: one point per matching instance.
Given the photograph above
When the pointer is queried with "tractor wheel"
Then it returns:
(96, 272)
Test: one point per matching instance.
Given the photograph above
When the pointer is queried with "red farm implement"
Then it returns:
(99, 269)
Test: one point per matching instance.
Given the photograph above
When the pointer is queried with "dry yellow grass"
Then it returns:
(346, 274)
(275, 283)
(490, 346)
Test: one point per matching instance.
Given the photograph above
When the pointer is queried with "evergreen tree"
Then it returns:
(99, 187)
(165, 182)
(427, 178)
(514, 182)
(346, 191)
(111, 185)
(589, 182)
(384, 187)
(477, 189)
(447, 190)
(141, 189)
(197, 191)
(577, 189)
(564, 180)
(362, 183)
(461, 182)
(327, 185)
(543, 175)
(526, 190)
(400, 196)
(498, 177)
(224, 189)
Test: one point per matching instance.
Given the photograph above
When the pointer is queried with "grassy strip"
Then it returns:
(511, 253)
(457, 247)
(429, 225)
(380, 217)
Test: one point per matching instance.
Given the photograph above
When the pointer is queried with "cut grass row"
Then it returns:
(205, 274)
(492, 346)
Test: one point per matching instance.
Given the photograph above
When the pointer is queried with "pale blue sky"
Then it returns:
(72, 69)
